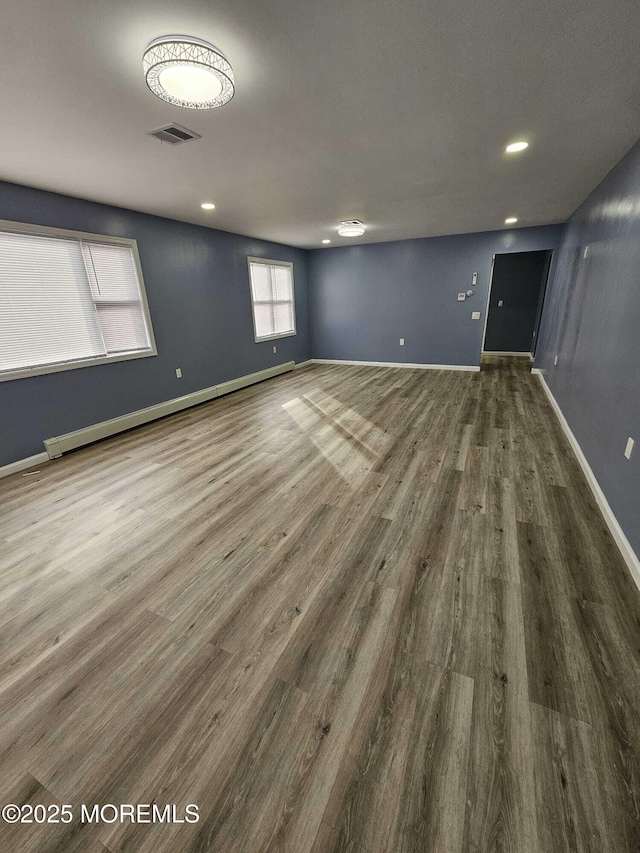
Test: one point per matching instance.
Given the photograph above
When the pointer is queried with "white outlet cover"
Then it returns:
(179, 372)
(629, 448)
(555, 360)
(462, 297)
(401, 342)
(275, 349)
(474, 280)
(475, 315)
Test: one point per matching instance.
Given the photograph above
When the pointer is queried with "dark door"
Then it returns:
(517, 290)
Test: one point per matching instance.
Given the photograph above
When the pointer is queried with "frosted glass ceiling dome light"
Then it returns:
(514, 147)
(190, 83)
(351, 228)
(188, 72)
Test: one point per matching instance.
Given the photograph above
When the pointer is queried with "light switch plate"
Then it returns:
(462, 297)
(179, 372)
(475, 315)
(275, 349)
(401, 342)
(629, 448)
(500, 303)
(474, 280)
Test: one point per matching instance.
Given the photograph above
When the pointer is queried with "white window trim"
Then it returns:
(47, 231)
(271, 262)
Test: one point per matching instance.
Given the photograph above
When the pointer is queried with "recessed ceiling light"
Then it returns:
(208, 205)
(351, 228)
(516, 146)
(510, 220)
(188, 72)
(326, 241)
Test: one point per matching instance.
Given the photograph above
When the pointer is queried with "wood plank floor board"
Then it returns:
(146, 706)
(352, 608)
(500, 454)
(23, 838)
(396, 791)
(338, 615)
(56, 607)
(500, 779)
(561, 675)
(328, 840)
(589, 551)
(578, 788)
(84, 662)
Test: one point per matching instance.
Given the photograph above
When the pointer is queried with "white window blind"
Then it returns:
(272, 297)
(66, 300)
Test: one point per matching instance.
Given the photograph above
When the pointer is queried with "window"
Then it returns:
(68, 300)
(274, 310)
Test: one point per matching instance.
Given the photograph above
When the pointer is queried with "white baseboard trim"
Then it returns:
(21, 464)
(395, 364)
(501, 352)
(60, 444)
(629, 555)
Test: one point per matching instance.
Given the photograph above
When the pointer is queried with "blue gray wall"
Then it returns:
(591, 321)
(365, 298)
(197, 286)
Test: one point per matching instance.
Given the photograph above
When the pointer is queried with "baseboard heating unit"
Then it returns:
(60, 444)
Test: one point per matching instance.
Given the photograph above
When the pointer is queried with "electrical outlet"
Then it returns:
(462, 297)
(275, 349)
(401, 342)
(475, 315)
(629, 448)
(555, 361)
(179, 372)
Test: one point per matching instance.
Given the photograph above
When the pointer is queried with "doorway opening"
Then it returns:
(516, 297)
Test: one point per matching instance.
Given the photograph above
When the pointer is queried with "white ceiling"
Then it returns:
(396, 113)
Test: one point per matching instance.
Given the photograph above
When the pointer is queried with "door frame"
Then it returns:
(543, 294)
(486, 307)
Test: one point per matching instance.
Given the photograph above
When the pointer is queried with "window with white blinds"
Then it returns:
(68, 299)
(272, 298)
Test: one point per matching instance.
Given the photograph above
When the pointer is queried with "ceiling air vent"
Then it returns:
(174, 134)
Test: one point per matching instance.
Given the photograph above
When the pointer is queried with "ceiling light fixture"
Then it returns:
(208, 205)
(188, 72)
(510, 220)
(514, 147)
(351, 228)
(326, 241)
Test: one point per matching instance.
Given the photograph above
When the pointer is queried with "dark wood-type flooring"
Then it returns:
(349, 609)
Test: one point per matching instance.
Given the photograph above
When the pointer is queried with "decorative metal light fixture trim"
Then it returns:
(351, 228)
(202, 64)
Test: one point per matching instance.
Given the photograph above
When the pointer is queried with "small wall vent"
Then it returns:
(174, 134)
